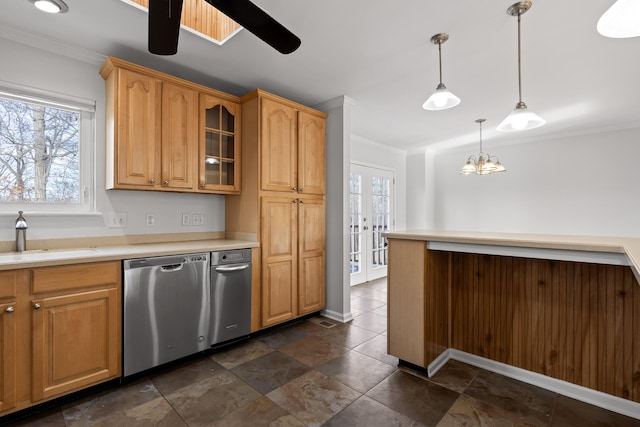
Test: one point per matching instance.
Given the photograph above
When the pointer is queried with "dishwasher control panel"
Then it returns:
(235, 256)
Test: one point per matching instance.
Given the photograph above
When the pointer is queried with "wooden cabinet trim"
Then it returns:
(8, 347)
(77, 276)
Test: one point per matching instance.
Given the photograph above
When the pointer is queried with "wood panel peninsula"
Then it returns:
(559, 311)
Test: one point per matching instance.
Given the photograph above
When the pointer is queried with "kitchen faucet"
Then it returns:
(21, 233)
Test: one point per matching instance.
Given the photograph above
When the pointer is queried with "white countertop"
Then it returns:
(41, 258)
(622, 245)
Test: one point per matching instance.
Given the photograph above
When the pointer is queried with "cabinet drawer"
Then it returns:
(49, 279)
(8, 280)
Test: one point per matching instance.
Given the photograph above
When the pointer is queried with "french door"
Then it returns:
(370, 209)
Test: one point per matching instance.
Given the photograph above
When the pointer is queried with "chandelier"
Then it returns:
(483, 164)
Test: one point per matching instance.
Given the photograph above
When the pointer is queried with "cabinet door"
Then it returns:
(219, 161)
(311, 255)
(8, 334)
(179, 137)
(138, 130)
(311, 154)
(279, 259)
(76, 341)
(278, 147)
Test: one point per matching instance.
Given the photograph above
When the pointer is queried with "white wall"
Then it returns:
(420, 177)
(370, 153)
(29, 66)
(580, 185)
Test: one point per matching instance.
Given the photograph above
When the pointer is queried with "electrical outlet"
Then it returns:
(150, 219)
(197, 219)
(117, 220)
(186, 219)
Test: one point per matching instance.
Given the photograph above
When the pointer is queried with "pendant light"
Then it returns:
(442, 98)
(621, 20)
(483, 164)
(520, 118)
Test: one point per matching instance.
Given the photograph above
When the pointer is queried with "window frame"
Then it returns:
(86, 146)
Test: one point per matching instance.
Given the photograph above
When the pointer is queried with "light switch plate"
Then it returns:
(197, 219)
(117, 219)
(186, 219)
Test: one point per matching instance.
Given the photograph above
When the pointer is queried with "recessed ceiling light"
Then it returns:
(51, 6)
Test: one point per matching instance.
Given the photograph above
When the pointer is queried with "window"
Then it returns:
(45, 152)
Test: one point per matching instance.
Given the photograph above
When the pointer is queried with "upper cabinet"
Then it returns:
(292, 147)
(161, 133)
(134, 130)
(311, 153)
(179, 150)
(219, 145)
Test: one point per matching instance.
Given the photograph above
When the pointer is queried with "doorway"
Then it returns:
(370, 215)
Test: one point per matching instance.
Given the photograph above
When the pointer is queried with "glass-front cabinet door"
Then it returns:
(219, 145)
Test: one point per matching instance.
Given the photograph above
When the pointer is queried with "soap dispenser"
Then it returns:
(21, 233)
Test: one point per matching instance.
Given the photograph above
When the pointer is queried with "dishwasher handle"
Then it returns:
(171, 267)
(232, 268)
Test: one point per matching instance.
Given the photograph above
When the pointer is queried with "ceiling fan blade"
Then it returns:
(258, 22)
(164, 26)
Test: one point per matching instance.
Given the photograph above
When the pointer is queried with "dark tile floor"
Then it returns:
(309, 375)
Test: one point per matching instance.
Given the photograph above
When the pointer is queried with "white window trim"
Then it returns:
(87, 110)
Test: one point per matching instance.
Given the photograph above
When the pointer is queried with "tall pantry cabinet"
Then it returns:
(282, 205)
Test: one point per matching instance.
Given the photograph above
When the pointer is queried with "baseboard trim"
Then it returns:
(439, 362)
(338, 317)
(584, 394)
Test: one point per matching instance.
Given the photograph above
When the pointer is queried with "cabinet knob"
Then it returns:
(294, 188)
(165, 182)
(301, 201)
(152, 181)
(203, 185)
(294, 201)
(301, 189)
(36, 306)
(10, 309)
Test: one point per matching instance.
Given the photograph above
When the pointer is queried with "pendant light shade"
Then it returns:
(521, 118)
(621, 20)
(484, 163)
(442, 98)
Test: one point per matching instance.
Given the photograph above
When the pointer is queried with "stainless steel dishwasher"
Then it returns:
(230, 295)
(166, 309)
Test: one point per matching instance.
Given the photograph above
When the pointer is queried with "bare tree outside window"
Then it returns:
(39, 154)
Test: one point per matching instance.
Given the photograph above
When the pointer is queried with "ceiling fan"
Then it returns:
(164, 25)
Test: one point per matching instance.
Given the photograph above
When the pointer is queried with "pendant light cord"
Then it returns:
(440, 59)
(519, 65)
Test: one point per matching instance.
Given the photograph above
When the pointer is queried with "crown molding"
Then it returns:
(50, 45)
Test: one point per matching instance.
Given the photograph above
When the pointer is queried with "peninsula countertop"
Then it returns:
(628, 246)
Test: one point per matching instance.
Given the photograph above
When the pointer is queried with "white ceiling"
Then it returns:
(379, 54)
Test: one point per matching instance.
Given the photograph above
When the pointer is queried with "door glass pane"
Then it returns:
(355, 222)
(212, 171)
(227, 173)
(212, 143)
(213, 117)
(227, 120)
(381, 218)
(227, 146)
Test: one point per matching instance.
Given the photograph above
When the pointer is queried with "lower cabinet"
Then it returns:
(62, 334)
(293, 257)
